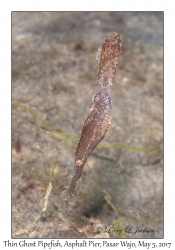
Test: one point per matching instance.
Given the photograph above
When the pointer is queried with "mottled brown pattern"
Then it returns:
(108, 60)
(98, 119)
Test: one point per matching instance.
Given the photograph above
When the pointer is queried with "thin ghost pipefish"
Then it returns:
(98, 119)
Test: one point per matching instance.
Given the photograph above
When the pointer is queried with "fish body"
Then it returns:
(98, 119)
(93, 131)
